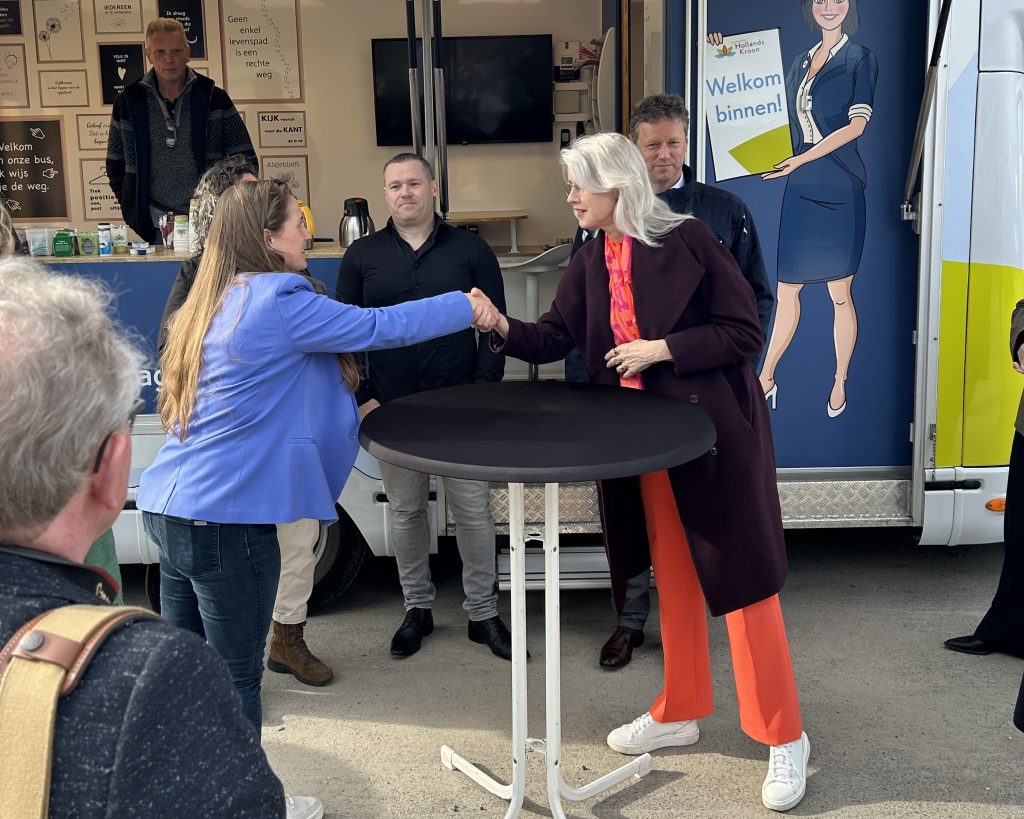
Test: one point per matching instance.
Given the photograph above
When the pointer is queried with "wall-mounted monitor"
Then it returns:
(497, 89)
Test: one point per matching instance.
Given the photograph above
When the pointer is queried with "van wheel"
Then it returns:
(153, 586)
(340, 553)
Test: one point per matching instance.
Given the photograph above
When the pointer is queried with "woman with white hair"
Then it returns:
(659, 304)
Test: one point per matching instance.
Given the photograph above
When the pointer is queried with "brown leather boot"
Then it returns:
(289, 654)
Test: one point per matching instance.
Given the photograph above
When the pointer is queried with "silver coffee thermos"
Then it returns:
(356, 222)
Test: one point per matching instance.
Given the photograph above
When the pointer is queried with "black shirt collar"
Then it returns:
(90, 578)
(423, 248)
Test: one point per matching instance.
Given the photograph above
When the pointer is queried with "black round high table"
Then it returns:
(537, 432)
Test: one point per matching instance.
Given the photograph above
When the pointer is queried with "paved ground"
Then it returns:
(899, 727)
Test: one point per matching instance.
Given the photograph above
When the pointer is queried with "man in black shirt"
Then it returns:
(415, 256)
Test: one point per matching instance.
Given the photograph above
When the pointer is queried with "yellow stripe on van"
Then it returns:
(949, 414)
(992, 388)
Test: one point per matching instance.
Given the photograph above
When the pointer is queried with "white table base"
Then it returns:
(551, 746)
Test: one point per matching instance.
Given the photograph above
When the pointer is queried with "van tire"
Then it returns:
(342, 551)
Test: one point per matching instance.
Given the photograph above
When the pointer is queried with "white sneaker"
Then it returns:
(786, 782)
(644, 734)
(303, 807)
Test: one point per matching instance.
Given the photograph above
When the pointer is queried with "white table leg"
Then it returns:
(557, 789)
(551, 747)
(451, 760)
(515, 237)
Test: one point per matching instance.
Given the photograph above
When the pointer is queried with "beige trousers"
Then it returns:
(297, 567)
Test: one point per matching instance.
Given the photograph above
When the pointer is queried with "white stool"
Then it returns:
(552, 260)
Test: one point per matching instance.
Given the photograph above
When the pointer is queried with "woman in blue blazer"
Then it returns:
(257, 398)
(830, 90)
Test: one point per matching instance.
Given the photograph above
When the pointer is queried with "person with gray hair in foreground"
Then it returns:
(154, 727)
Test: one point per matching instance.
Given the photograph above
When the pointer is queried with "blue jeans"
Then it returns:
(219, 580)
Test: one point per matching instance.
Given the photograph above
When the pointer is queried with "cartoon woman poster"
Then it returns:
(830, 89)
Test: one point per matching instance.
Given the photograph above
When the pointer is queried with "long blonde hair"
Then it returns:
(234, 245)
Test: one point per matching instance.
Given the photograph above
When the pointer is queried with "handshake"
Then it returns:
(486, 316)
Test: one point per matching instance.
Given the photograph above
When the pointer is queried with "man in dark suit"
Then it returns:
(154, 727)
(658, 126)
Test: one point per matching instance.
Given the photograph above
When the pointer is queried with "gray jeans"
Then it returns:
(410, 536)
(637, 607)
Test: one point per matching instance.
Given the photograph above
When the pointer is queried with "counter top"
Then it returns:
(321, 250)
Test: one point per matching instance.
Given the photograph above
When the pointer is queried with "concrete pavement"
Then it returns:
(899, 726)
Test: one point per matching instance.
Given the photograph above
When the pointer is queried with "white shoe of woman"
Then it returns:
(644, 734)
(303, 807)
(786, 782)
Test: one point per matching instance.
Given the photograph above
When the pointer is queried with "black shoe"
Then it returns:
(418, 623)
(968, 645)
(493, 633)
(618, 651)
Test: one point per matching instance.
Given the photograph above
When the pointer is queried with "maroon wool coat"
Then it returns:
(689, 292)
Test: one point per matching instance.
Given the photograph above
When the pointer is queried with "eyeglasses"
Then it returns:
(137, 407)
(172, 140)
(572, 186)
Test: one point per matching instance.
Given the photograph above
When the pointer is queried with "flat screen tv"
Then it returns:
(497, 89)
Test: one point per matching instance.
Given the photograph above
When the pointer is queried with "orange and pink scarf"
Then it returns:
(618, 257)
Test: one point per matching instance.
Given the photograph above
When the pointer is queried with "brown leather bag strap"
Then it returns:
(42, 662)
(33, 642)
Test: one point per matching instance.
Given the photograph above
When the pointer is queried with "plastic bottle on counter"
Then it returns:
(181, 233)
(105, 243)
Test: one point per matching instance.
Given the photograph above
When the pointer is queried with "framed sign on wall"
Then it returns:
(58, 31)
(93, 131)
(190, 14)
(262, 57)
(293, 170)
(120, 65)
(10, 18)
(68, 88)
(34, 185)
(118, 16)
(99, 199)
(13, 76)
(282, 129)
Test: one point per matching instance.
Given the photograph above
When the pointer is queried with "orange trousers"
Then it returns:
(769, 708)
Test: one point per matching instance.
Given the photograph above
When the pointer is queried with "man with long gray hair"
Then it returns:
(154, 727)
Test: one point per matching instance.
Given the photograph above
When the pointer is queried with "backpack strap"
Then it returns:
(41, 663)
